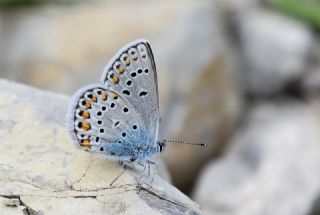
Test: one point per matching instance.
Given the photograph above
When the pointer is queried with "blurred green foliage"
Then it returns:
(307, 10)
(18, 3)
(27, 3)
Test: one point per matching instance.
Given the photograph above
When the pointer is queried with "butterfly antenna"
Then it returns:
(183, 142)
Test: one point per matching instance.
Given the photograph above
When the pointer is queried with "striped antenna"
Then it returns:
(183, 142)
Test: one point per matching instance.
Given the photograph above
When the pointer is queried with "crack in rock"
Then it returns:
(164, 206)
(27, 210)
(82, 176)
(159, 196)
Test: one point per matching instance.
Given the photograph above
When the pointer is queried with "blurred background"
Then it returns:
(242, 76)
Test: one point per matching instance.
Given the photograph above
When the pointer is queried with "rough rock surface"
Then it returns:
(272, 166)
(42, 172)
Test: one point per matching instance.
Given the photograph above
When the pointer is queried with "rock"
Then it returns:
(275, 50)
(205, 114)
(43, 171)
(201, 100)
(272, 166)
(11, 206)
(61, 47)
(311, 81)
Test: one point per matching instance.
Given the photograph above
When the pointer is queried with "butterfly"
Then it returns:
(119, 116)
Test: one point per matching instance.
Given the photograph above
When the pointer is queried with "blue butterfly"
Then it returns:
(119, 116)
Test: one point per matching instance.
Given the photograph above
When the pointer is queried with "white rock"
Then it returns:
(201, 98)
(11, 206)
(275, 49)
(272, 166)
(41, 168)
(311, 82)
(64, 46)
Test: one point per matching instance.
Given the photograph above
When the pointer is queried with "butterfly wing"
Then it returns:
(132, 73)
(101, 120)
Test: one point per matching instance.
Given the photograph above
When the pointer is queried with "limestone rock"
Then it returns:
(275, 50)
(64, 46)
(42, 172)
(311, 81)
(11, 206)
(272, 166)
(202, 100)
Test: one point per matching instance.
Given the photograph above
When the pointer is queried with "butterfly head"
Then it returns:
(161, 146)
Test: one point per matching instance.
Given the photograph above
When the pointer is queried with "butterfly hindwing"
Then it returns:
(101, 120)
(132, 74)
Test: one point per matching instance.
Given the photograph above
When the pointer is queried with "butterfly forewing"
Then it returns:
(132, 74)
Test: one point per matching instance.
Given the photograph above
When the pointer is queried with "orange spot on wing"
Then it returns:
(87, 105)
(114, 96)
(120, 69)
(85, 115)
(114, 79)
(85, 143)
(94, 99)
(104, 96)
(86, 126)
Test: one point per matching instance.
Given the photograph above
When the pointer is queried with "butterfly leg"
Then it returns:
(116, 178)
(123, 164)
(155, 169)
(141, 174)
